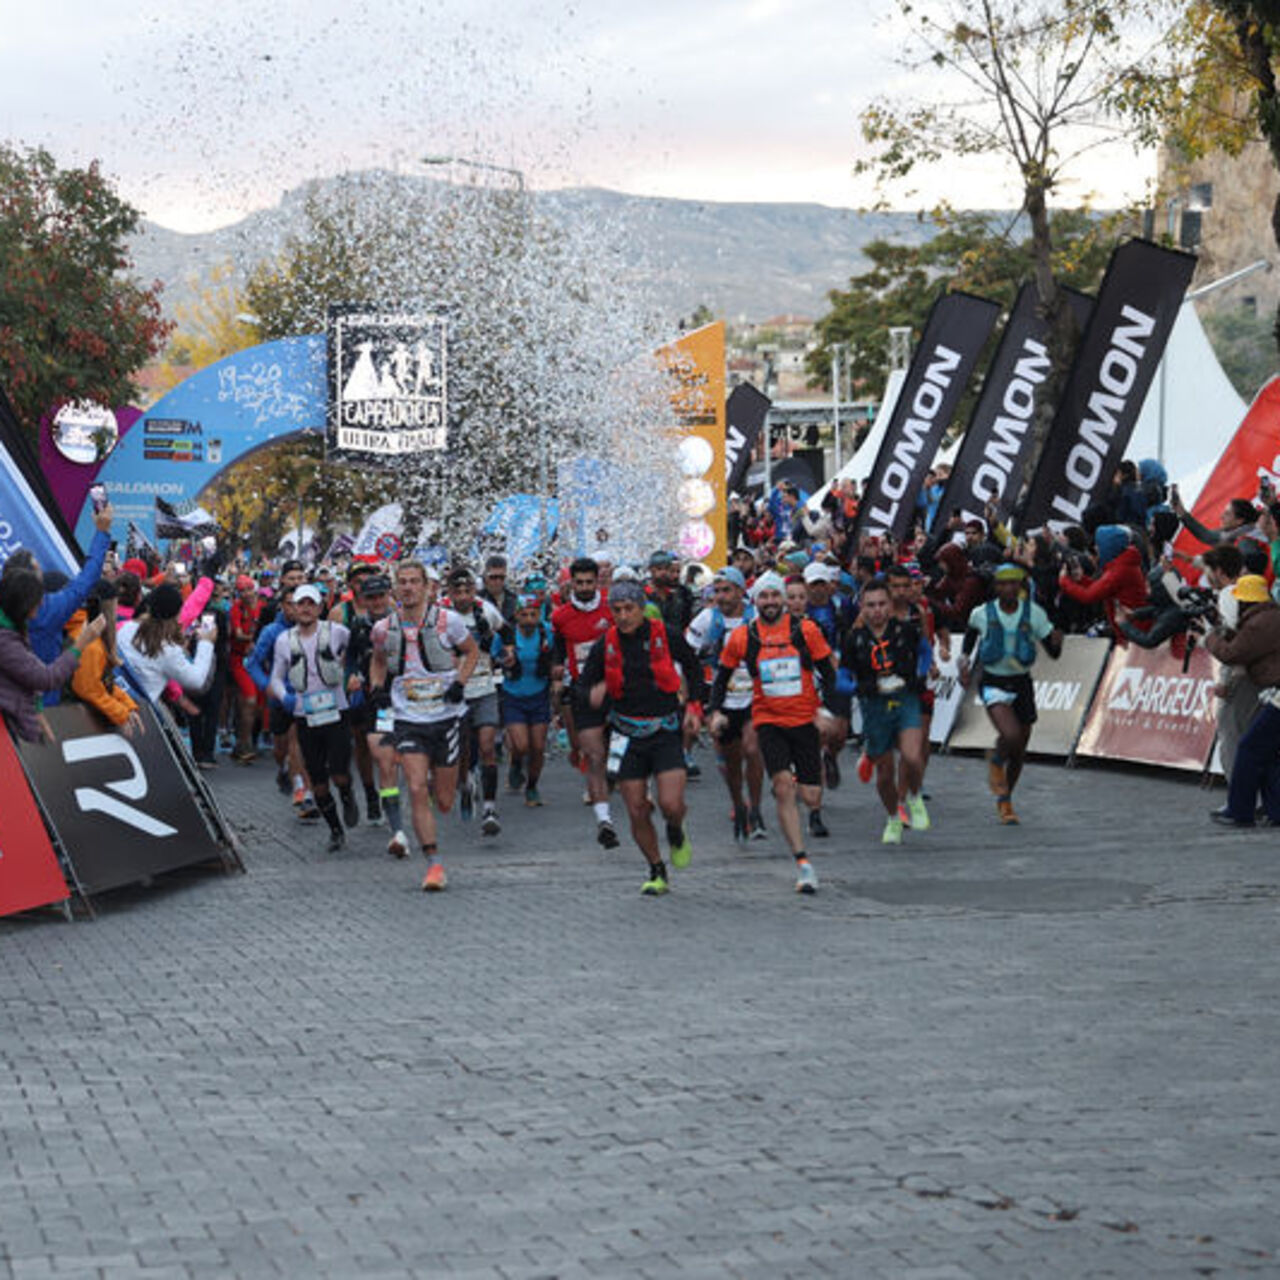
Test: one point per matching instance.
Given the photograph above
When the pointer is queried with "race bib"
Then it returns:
(781, 677)
(419, 690)
(740, 680)
(618, 744)
(580, 652)
(386, 721)
(483, 667)
(320, 707)
(890, 684)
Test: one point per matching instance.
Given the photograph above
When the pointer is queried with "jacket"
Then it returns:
(89, 685)
(1122, 582)
(1255, 646)
(955, 595)
(23, 676)
(45, 629)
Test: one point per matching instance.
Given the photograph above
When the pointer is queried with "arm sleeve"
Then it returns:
(690, 665)
(256, 663)
(279, 670)
(194, 604)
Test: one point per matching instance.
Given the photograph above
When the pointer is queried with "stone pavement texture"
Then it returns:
(1035, 1051)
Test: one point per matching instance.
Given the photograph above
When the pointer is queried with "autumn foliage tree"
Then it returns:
(74, 325)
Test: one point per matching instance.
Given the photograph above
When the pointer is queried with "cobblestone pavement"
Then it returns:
(1034, 1051)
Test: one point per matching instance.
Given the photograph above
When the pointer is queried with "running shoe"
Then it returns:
(892, 831)
(299, 797)
(806, 877)
(817, 828)
(206, 763)
(310, 811)
(655, 887)
(490, 826)
(682, 853)
(756, 823)
(831, 770)
(350, 811)
(691, 767)
(865, 768)
(532, 800)
(398, 845)
(919, 814)
(1004, 807)
(247, 756)
(337, 841)
(466, 802)
(997, 778)
(373, 806)
(283, 785)
(606, 836)
(586, 797)
(741, 826)
(435, 880)
(515, 776)
(904, 815)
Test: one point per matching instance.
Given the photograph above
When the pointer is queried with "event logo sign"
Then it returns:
(954, 335)
(989, 465)
(1149, 711)
(1116, 361)
(25, 520)
(388, 381)
(745, 414)
(121, 806)
(29, 872)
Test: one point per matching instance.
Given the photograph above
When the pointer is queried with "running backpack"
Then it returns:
(993, 643)
(329, 667)
(754, 645)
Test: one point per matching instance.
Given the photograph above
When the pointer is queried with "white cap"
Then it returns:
(768, 582)
(817, 572)
(308, 591)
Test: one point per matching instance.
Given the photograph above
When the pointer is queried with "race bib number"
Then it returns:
(740, 680)
(386, 721)
(483, 667)
(320, 707)
(781, 678)
(890, 684)
(419, 691)
(618, 744)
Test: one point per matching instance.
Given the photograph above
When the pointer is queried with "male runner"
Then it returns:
(782, 653)
(737, 748)
(1008, 628)
(889, 659)
(373, 603)
(634, 666)
(423, 656)
(833, 615)
(526, 696)
(242, 623)
(578, 623)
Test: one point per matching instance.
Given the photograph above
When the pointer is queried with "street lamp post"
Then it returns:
(837, 351)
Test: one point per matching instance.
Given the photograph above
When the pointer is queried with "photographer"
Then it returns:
(1236, 693)
(1255, 646)
(1121, 580)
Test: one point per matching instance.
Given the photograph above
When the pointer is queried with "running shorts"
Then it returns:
(737, 720)
(1015, 691)
(439, 741)
(530, 708)
(796, 747)
(884, 717)
(661, 752)
(326, 750)
(483, 712)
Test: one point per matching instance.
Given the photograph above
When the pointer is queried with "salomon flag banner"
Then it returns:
(744, 419)
(1148, 710)
(957, 329)
(121, 806)
(1113, 369)
(388, 382)
(29, 872)
(185, 521)
(988, 469)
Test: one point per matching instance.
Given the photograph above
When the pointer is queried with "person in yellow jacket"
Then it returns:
(94, 682)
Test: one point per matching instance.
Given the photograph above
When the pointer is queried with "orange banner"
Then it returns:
(696, 363)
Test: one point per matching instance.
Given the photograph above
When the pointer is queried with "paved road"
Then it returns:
(1041, 1051)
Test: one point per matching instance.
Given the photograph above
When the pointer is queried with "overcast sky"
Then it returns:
(204, 111)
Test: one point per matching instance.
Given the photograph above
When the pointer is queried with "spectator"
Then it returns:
(153, 650)
(94, 682)
(24, 676)
(1238, 520)
(959, 590)
(1120, 581)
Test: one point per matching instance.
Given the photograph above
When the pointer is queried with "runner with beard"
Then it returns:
(1004, 632)
(636, 668)
(738, 750)
(422, 658)
(480, 724)
(373, 604)
(888, 658)
(577, 624)
(353, 613)
(785, 656)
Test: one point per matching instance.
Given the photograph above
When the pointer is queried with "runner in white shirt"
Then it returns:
(423, 656)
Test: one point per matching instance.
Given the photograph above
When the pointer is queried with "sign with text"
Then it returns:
(1063, 690)
(29, 872)
(388, 381)
(120, 805)
(1149, 711)
(745, 414)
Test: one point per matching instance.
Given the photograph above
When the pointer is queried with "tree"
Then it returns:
(1245, 347)
(207, 330)
(73, 324)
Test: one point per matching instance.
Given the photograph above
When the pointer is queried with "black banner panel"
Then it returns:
(745, 412)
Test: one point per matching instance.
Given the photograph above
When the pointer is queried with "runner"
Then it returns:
(310, 655)
(243, 618)
(737, 749)
(373, 604)
(481, 720)
(834, 615)
(578, 623)
(782, 653)
(526, 696)
(427, 655)
(634, 666)
(889, 659)
(1008, 628)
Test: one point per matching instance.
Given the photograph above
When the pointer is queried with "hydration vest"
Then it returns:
(327, 665)
(993, 643)
(542, 666)
(714, 642)
(431, 648)
(755, 644)
(897, 653)
(665, 675)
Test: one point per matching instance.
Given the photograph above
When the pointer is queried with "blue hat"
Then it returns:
(1151, 471)
(730, 574)
(1111, 540)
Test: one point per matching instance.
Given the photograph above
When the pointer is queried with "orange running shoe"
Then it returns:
(1004, 807)
(435, 880)
(997, 779)
(864, 768)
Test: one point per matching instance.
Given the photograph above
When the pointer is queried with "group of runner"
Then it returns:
(409, 679)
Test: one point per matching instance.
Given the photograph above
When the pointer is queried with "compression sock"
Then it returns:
(658, 870)
(675, 834)
(489, 782)
(800, 856)
(390, 797)
(329, 810)
(429, 852)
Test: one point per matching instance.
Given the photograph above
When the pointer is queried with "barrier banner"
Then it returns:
(948, 693)
(29, 872)
(1108, 382)
(989, 464)
(1149, 711)
(745, 412)
(122, 807)
(1063, 691)
(954, 335)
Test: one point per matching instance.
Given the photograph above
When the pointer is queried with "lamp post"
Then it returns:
(837, 351)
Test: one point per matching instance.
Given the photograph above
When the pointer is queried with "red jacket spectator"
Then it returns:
(1121, 581)
(958, 592)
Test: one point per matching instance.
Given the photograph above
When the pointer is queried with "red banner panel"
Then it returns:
(1149, 711)
(29, 872)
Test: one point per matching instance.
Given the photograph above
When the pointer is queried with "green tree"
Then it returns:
(1245, 348)
(73, 324)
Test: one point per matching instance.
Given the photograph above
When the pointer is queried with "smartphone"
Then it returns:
(98, 496)
(207, 622)
(179, 567)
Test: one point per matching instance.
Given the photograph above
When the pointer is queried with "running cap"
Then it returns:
(527, 601)
(1251, 589)
(245, 583)
(817, 572)
(768, 582)
(375, 584)
(660, 558)
(730, 574)
(627, 593)
(1008, 572)
(625, 573)
(308, 591)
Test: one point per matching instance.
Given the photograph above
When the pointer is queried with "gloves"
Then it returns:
(290, 702)
(454, 692)
(379, 699)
